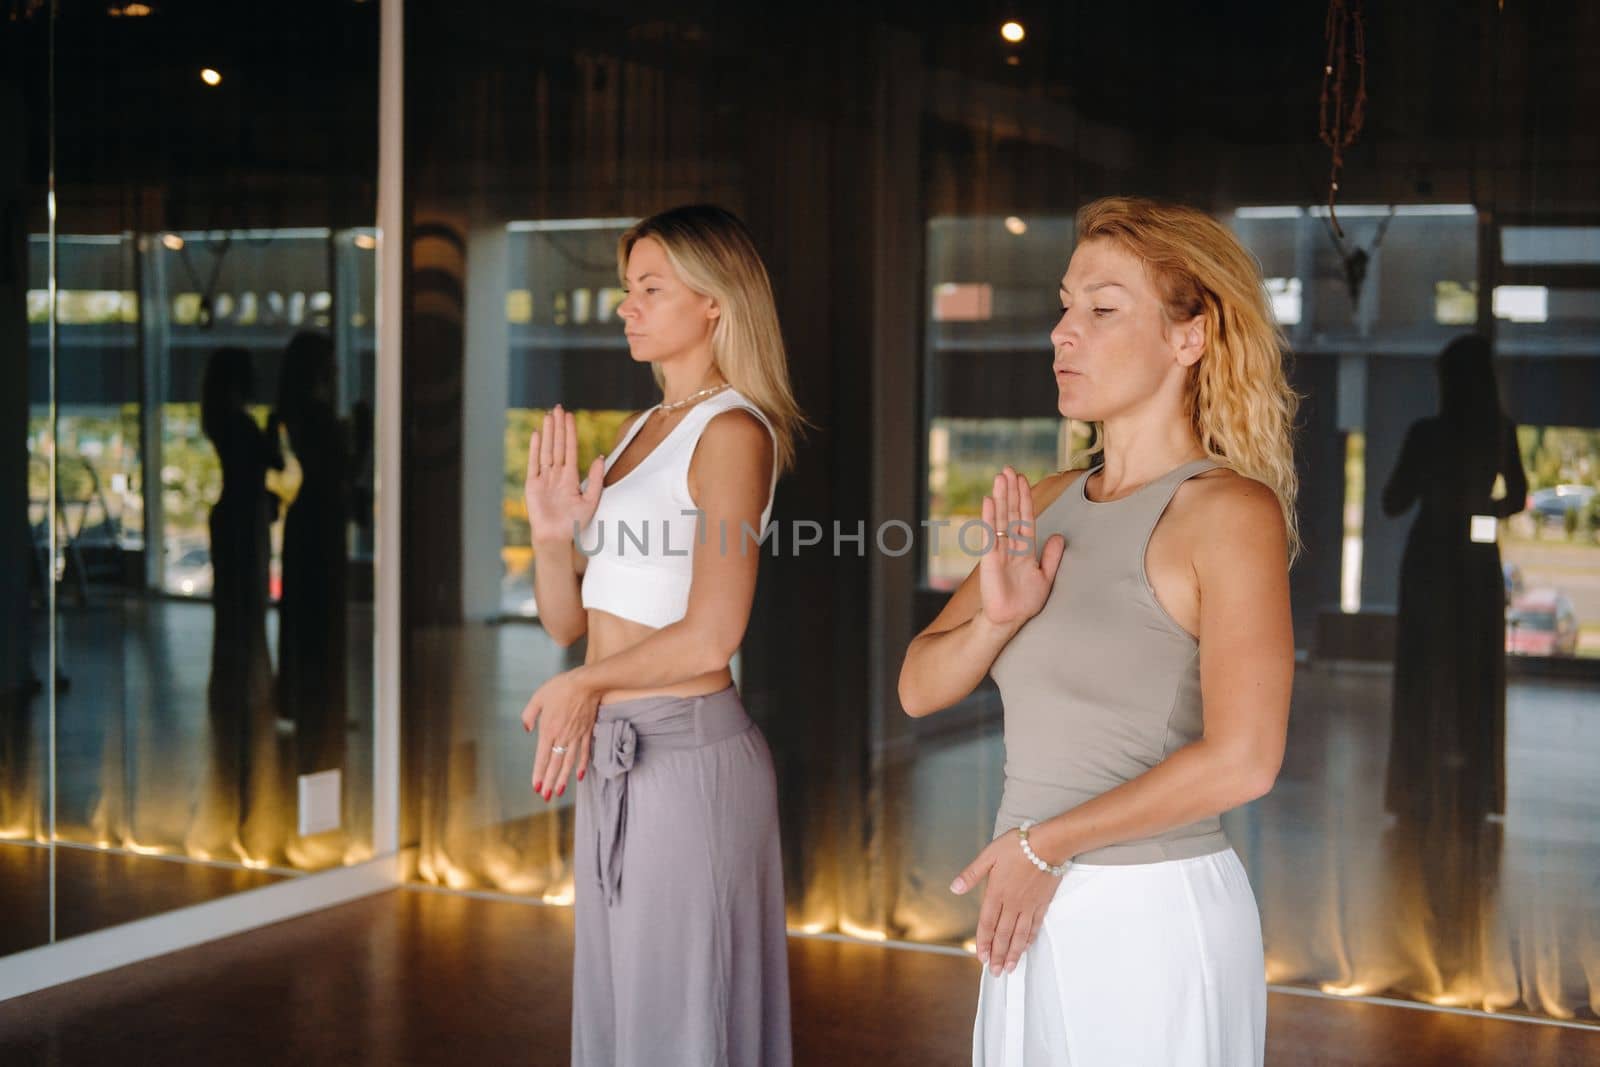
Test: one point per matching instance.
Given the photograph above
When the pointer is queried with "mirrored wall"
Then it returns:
(187, 334)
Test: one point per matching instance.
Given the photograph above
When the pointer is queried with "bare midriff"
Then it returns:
(609, 635)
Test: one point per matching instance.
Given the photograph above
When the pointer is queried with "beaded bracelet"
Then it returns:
(1027, 850)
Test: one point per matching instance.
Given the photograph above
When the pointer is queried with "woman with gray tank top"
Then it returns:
(1135, 616)
(680, 941)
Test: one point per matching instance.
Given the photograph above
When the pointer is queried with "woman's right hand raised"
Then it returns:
(557, 505)
(1014, 578)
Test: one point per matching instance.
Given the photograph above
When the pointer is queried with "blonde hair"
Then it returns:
(712, 252)
(1239, 399)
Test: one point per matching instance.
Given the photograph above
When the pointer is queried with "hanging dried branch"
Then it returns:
(1356, 260)
(1341, 124)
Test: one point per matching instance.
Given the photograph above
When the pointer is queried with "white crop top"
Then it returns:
(641, 540)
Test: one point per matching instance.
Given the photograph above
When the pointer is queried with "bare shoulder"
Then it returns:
(735, 430)
(734, 446)
(1227, 516)
(1224, 496)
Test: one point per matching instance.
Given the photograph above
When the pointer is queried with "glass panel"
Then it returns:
(1459, 541)
(214, 451)
(913, 189)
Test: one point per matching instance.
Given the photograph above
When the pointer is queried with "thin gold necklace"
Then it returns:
(692, 397)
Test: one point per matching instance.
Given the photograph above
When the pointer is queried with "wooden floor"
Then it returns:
(417, 977)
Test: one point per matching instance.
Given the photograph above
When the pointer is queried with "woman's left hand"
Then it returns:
(565, 709)
(1014, 901)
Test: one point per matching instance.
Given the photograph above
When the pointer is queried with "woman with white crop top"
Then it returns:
(1135, 616)
(680, 939)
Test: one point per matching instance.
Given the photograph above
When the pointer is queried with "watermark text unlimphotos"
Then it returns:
(642, 538)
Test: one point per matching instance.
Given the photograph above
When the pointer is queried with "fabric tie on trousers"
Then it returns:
(657, 724)
(615, 744)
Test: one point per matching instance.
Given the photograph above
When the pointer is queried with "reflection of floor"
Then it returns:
(425, 978)
(24, 896)
(133, 761)
(100, 889)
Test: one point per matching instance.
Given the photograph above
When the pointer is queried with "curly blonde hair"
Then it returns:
(1239, 399)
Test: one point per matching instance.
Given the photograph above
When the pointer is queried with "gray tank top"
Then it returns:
(1102, 684)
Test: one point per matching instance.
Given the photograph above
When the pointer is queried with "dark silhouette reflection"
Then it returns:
(1447, 730)
(24, 889)
(311, 613)
(239, 807)
(19, 780)
(1447, 746)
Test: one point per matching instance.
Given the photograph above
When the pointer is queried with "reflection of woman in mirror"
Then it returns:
(311, 612)
(1447, 748)
(239, 696)
(19, 811)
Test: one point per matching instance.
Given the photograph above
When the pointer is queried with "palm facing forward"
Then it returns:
(1013, 580)
(558, 504)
